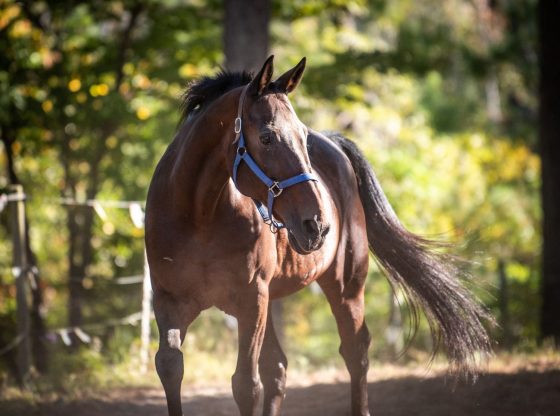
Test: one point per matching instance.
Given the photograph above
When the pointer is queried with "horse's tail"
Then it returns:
(427, 277)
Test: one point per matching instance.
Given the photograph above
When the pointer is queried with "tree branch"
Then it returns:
(125, 42)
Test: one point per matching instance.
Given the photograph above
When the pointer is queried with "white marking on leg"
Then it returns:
(174, 338)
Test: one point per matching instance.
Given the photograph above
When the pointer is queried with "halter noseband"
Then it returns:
(275, 188)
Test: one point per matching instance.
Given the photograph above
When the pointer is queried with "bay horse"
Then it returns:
(248, 204)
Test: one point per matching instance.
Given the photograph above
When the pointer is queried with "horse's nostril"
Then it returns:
(312, 227)
(315, 228)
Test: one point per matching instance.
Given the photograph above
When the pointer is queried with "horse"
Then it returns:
(248, 204)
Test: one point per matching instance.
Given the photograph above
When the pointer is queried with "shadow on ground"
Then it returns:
(520, 394)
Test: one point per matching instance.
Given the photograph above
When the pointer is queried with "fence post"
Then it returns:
(20, 270)
(146, 316)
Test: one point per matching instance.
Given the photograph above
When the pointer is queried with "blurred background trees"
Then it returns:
(441, 96)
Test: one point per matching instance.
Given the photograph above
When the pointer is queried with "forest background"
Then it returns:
(441, 96)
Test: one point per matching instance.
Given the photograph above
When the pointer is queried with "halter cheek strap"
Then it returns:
(275, 188)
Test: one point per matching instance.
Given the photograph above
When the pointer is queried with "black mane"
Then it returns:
(203, 91)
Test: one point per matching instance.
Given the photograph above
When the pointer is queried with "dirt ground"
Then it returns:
(524, 392)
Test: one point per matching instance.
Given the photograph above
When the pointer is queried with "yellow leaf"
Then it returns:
(47, 106)
(143, 113)
(99, 90)
(75, 85)
(102, 89)
(8, 14)
(188, 71)
(21, 29)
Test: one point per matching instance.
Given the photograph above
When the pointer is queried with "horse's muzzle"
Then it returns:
(311, 237)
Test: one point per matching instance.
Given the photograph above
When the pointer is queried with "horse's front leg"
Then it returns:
(251, 318)
(272, 369)
(347, 306)
(173, 317)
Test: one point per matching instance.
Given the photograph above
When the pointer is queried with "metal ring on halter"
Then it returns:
(275, 189)
(237, 127)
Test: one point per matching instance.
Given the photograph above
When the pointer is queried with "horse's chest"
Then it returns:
(228, 257)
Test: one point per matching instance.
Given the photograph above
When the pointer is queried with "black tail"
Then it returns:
(428, 278)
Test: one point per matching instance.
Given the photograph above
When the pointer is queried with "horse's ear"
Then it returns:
(262, 79)
(290, 80)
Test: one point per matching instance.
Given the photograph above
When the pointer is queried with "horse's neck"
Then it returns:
(200, 176)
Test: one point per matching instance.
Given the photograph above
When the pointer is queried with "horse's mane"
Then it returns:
(203, 91)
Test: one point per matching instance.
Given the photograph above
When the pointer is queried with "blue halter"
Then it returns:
(275, 188)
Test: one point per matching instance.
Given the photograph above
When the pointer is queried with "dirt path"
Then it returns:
(524, 393)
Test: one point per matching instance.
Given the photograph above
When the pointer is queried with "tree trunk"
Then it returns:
(80, 227)
(549, 130)
(38, 328)
(246, 34)
(80, 232)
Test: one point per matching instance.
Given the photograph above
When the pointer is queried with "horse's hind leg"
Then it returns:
(347, 304)
(173, 317)
(251, 318)
(272, 369)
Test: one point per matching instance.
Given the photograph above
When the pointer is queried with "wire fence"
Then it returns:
(144, 316)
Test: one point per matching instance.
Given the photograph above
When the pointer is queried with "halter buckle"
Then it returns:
(237, 126)
(275, 190)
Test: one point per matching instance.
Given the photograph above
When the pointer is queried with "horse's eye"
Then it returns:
(265, 139)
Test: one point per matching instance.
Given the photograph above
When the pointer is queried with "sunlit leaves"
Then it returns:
(8, 14)
(99, 90)
(188, 70)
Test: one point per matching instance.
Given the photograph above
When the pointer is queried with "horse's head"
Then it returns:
(276, 141)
